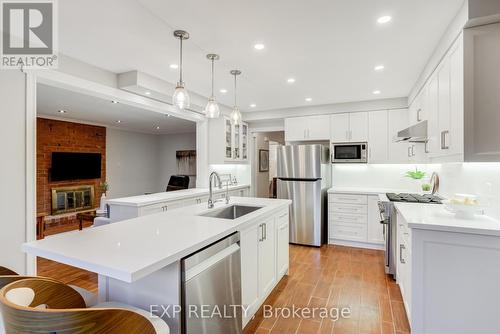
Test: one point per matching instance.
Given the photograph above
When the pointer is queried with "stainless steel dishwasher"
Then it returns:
(211, 289)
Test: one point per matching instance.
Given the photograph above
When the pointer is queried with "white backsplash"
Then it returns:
(241, 171)
(482, 179)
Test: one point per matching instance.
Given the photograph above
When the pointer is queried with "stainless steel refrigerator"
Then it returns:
(304, 177)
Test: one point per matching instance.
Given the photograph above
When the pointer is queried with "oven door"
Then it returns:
(349, 153)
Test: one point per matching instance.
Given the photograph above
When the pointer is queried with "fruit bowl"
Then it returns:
(464, 206)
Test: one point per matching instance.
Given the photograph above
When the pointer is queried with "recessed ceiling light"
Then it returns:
(118, 121)
(114, 101)
(253, 105)
(174, 66)
(384, 19)
(223, 91)
(379, 67)
(308, 99)
(376, 92)
(259, 46)
(158, 128)
(147, 92)
(62, 111)
(290, 80)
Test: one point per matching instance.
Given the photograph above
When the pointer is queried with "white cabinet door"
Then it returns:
(397, 120)
(433, 110)
(244, 141)
(358, 127)
(318, 127)
(339, 128)
(444, 115)
(295, 129)
(249, 243)
(378, 137)
(456, 136)
(267, 257)
(282, 244)
(375, 228)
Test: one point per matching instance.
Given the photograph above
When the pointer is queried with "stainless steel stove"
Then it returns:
(388, 218)
(414, 198)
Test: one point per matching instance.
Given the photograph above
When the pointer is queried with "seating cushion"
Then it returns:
(89, 297)
(159, 325)
(20, 296)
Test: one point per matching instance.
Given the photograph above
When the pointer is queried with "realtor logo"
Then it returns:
(28, 39)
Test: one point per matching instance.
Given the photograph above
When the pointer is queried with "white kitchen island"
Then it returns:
(138, 260)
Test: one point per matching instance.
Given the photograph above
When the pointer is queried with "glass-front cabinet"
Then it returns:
(228, 143)
(228, 136)
(244, 141)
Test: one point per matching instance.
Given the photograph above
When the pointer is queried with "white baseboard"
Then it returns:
(356, 244)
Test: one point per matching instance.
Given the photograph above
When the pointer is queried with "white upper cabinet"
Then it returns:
(307, 128)
(349, 127)
(228, 142)
(378, 138)
(358, 124)
(339, 125)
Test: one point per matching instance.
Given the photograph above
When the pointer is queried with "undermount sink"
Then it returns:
(231, 212)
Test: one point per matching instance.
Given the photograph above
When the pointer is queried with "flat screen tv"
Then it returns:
(75, 166)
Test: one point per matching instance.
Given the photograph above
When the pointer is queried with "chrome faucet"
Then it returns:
(434, 183)
(210, 196)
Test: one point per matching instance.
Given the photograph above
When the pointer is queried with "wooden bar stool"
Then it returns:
(39, 305)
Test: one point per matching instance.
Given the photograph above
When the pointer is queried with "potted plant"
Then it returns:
(421, 176)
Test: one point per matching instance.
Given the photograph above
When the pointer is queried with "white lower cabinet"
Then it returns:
(282, 238)
(403, 263)
(264, 260)
(354, 220)
(267, 257)
(250, 270)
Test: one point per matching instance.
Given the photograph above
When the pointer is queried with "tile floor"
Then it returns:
(335, 276)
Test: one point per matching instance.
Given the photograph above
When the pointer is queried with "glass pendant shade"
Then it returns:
(181, 99)
(236, 116)
(212, 108)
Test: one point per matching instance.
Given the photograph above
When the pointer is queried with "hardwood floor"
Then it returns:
(336, 277)
(66, 274)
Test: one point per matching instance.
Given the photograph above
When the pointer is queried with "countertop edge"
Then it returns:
(205, 191)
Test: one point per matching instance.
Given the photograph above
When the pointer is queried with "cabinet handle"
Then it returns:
(265, 231)
(401, 247)
(426, 147)
(418, 115)
(444, 145)
(409, 151)
(412, 150)
(261, 233)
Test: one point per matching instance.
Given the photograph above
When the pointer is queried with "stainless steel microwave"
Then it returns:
(349, 153)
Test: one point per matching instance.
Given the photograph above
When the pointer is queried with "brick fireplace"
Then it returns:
(62, 136)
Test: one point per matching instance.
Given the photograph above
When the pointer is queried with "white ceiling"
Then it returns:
(329, 46)
(93, 110)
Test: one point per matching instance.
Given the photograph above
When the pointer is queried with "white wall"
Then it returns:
(13, 170)
(168, 145)
(482, 179)
(137, 163)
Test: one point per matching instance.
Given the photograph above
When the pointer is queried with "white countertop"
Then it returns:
(134, 248)
(364, 190)
(436, 217)
(150, 199)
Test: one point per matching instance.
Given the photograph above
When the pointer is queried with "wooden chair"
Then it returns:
(64, 312)
(6, 271)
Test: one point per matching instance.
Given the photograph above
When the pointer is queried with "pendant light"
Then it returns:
(212, 108)
(235, 114)
(180, 99)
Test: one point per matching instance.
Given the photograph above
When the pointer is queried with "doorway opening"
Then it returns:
(264, 164)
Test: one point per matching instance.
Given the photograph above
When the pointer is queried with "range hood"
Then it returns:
(416, 133)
